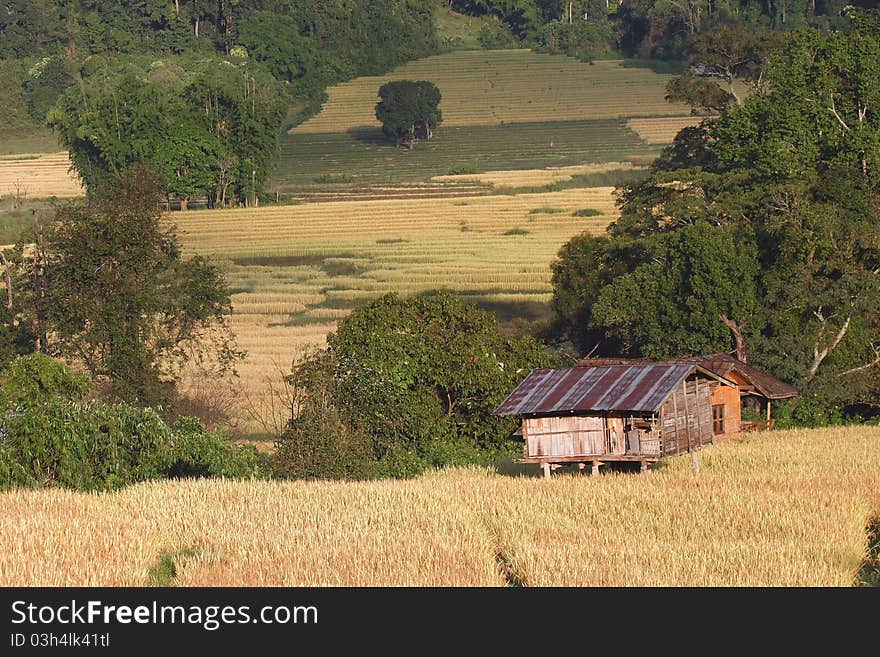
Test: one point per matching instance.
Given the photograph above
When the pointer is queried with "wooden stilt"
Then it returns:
(644, 467)
(695, 462)
(595, 469)
(581, 466)
(546, 467)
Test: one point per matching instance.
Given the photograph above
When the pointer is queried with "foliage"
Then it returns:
(404, 106)
(758, 231)
(584, 39)
(107, 286)
(210, 129)
(37, 376)
(46, 81)
(98, 446)
(494, 35)
(406, 385)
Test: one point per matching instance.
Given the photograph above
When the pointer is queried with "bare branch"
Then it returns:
(833, 110)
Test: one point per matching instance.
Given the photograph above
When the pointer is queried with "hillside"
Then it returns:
(502, 109)
(786, 508)
(294, 270)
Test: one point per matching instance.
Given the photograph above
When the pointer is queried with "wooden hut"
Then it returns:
(755, 389)
(617, 412)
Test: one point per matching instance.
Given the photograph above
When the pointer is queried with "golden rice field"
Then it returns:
(481, 88)
(296, 269)
(39, 176)
(534, 177)
(661, 130)
(786, 508)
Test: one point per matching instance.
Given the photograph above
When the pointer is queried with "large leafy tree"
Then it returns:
(409, 109)
(407, 384)
(105, 284)
(757, 232)
(210, 131)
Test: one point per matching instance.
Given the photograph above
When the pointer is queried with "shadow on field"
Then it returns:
(508, 468)
(369, 134)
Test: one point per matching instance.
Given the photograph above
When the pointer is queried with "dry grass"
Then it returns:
(297, 269)
(535, 177)
(661, 130)
(507, 86)
(772, 509)
(40, 176)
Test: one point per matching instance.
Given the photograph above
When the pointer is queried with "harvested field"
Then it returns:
(496, 87)
(297, 269)
(786, 508)
(39, 175)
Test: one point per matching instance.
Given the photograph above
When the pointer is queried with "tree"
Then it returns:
(757, 232)
(731, 53)
(120, 298)
(404, 106)
(409, 384)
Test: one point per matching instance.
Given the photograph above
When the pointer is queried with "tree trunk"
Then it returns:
(8, 277)
(736, 329)
(183, 203)
(197, 27)
(176, 7)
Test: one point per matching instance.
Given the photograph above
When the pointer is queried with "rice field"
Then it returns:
(295, 270)
(38, 175)
(786, 508)
(661, 130)
(497, 87)
(535, 177)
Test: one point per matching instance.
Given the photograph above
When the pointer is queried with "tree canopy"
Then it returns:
(105, 285)
(412, 383)
(757, 232)
(409, 110)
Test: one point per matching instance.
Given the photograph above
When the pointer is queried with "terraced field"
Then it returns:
(296, 269)
(39, 175)
(502, 109)
(499, 87)
(363, 157)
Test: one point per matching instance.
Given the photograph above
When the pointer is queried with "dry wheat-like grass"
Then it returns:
(787, 508)
(537, 177)
(661, 130)
(39, 176)
(296, 270)
(506, 86)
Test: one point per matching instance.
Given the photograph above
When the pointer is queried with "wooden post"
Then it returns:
(768, 410)
(595, 469)
(695, 462)
(546, 467)
(687, 414)
(644, 467)
(581, 465)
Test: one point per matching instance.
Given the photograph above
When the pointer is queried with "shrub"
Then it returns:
(98, 446)
(35, 377)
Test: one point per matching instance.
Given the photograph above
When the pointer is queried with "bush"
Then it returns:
(494, 35)
(98, 446)
(36, 377)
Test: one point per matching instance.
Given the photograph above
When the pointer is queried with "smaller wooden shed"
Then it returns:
(756, 390)
(617, 412)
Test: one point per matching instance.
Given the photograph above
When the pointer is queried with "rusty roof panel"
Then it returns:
(641, 387)
(769, 386)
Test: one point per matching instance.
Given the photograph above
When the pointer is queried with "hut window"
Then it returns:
(718, 418)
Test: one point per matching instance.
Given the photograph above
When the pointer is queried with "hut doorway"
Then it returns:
(616, 435)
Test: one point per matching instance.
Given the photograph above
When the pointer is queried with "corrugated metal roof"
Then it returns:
(723, 364)
(720, 364)
(639, 387)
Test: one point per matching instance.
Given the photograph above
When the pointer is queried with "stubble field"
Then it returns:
(785, 508)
